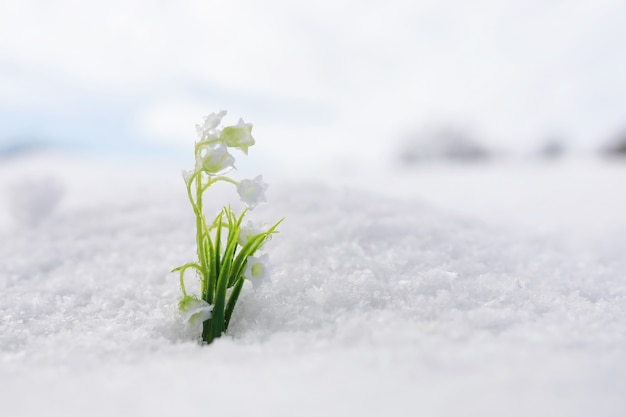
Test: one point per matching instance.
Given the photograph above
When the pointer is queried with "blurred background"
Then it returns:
(326, 83)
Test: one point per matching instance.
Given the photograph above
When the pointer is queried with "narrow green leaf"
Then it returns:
(250, 248)
(208, 289)
(206, 331)
(232, 300)
(217, 325)
(218, 248)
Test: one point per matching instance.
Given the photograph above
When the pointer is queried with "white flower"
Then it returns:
(208, 129)
(214, 159)
(238, 136)
(258, 270)
(249, 231)
(194, 311)
(252, 192)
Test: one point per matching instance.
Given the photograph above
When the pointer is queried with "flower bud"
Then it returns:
(238, 136)
(208, 129)
(214, 159)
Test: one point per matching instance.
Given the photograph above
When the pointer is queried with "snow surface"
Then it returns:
(484, 290)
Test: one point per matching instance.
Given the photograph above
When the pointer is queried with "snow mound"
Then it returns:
(376, 306)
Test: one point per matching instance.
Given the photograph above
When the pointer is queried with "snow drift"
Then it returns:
(378, 305)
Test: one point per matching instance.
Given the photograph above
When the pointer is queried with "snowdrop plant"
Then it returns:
(226, 248)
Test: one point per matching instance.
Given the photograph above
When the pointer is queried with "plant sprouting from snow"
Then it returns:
(225, 247)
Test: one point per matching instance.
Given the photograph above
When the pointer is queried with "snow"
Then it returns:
(485, 290)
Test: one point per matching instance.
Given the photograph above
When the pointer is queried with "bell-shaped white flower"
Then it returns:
(258, 270)
(238, 136)
(214, 159)
(208, 129)
(194, 311)
(249, 231)
(252, 192)
(187, 175)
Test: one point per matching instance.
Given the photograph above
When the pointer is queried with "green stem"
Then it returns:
(182, 270)
(182, 282)
(200, 228)
(220, 178)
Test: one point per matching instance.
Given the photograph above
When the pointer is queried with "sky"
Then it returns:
(321, 81)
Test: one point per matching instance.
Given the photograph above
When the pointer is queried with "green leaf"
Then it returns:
(214, 261)
(232, 300)
(217, 324)
(251, 247)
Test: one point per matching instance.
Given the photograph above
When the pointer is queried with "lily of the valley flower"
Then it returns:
(194, 311)
(252, 192)
(258, 270)
(208, 129)
(238, 136)
(225, 247)
(249, 231)
(214, 159)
